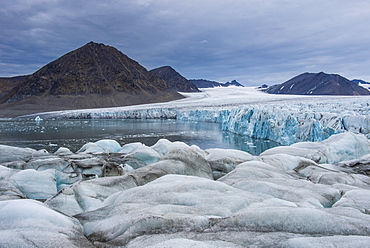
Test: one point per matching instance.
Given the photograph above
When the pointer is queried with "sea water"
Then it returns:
(52, 134)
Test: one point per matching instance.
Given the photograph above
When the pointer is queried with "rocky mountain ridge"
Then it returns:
(318, 84)
(174, 79)
(92, 76)
(9, 84)
(203, 83)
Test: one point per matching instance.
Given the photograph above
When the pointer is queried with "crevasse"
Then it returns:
(285, 126)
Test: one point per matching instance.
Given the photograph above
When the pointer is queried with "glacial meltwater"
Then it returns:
(52, 134)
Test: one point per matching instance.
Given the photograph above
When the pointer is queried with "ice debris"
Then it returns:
(310, 194)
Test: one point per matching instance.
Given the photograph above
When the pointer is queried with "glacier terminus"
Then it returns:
(285, 119)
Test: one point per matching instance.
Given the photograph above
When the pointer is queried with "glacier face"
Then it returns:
(283, 119)
(285, 124)
(294, 123)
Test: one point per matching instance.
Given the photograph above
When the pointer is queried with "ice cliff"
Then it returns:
(286, 119)
(285, 123)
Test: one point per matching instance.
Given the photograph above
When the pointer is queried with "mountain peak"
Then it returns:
(234, 83)
(174, 79)
(92, 76)
(318, 84)
(203, 83)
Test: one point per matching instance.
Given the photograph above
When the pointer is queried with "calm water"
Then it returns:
(52, 134)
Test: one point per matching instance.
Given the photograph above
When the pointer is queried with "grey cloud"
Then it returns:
(254, 42)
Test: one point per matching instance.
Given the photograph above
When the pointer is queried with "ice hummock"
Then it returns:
(29, 223)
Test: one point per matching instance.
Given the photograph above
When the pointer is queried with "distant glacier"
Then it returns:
(283, 119)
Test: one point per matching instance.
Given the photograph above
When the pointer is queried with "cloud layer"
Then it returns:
(252, 41)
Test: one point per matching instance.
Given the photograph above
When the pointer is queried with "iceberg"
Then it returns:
(38, 119)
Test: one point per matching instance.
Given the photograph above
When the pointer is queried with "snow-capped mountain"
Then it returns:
(318, 84)
(203, 83)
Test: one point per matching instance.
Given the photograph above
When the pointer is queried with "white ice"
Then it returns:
(273, 199)
(101, 146)
(28, 223)
(89, 195)
(340, 147)
(36, 184)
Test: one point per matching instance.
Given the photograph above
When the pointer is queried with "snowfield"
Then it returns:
(285, 119)
(314, 193)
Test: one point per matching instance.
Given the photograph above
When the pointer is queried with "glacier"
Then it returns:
(170, 194)
(285, 119)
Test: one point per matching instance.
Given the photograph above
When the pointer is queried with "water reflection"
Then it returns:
(51, 134)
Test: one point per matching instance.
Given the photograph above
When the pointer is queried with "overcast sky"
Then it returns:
(252, 41)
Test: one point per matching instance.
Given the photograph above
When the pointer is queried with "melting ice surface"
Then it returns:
(51, 134)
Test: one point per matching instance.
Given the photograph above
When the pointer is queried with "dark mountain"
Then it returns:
(318, 84)
(233, 83)
(93, 76)
(8, 84)
(203, 83)
(175, 80)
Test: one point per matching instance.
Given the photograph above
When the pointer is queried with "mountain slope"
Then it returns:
(9, 84)
(232, 83)
(175, 80)
(318, 84)
(93, 76)
(203, 83)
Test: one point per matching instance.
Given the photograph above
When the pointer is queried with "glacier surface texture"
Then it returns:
(309, 194)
